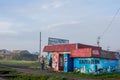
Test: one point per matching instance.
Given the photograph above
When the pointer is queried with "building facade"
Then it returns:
(82, 58)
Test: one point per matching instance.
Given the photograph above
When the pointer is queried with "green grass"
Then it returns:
(45, 77)
(36, 77)
(31, 64)
(100, 76)
(35, 64)
(24, 76)
(8, 71)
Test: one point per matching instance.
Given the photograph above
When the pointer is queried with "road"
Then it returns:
(49, 73)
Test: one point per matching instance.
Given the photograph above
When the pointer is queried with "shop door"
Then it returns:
(68, 63)
(61, 62)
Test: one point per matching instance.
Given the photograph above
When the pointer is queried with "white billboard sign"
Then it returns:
(55, 41)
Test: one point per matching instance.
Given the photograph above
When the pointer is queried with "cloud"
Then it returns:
(8, 27)
(61, 24)
(55, 4)
(27, 31)
(5, 27)
(5, 24)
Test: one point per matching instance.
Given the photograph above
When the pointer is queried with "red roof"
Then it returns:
(87, 46)
(60, 48)
(82, 50)
(66, 47)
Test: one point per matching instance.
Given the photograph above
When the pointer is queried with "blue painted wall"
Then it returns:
(95, 65)
(48, 57)
(68, 63)
(109, 65)
(89, 65)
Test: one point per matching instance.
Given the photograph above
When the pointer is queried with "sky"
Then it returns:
(79, 21)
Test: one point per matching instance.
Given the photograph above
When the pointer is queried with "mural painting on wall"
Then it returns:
(96, 66)
(86, 65)
(55, 61)
(108, 65)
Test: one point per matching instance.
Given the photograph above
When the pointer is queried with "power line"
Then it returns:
(109, 25)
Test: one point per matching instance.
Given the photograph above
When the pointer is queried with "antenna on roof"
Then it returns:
(98, 40)
(108, 26)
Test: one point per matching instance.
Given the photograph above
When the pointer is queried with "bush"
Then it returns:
(53, 78)
(8, 71)
(44, 77)
(36, 77)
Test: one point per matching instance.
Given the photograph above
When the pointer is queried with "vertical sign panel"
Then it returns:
(68, 63)
(65, 62)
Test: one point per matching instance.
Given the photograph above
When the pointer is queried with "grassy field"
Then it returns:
(36, 64)
(24, 76)
(20, 63)
(36, 77)
(106, 76)
(11, 74)
(8, 71)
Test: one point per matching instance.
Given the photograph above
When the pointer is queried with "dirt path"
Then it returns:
(49, 73)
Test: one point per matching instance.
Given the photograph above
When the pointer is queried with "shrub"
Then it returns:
(44, 77)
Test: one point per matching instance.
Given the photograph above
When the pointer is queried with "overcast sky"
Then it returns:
(80, 21)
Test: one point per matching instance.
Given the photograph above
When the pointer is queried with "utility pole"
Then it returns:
(39, 47)
(108, 48)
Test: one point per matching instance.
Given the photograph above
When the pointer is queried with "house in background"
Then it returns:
(5, 54)
(17, 55)
(82, 58)
(23, 55)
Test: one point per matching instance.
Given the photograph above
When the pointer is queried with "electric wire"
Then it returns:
(109, 25)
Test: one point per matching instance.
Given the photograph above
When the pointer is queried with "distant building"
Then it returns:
(5, 54)
(82, 58)
(17, 55)
(23, 55)
(4, 51)
(20, 52)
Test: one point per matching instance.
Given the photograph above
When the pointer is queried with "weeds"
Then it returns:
(36, 77)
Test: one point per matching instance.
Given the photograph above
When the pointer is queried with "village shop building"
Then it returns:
(82, 58)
